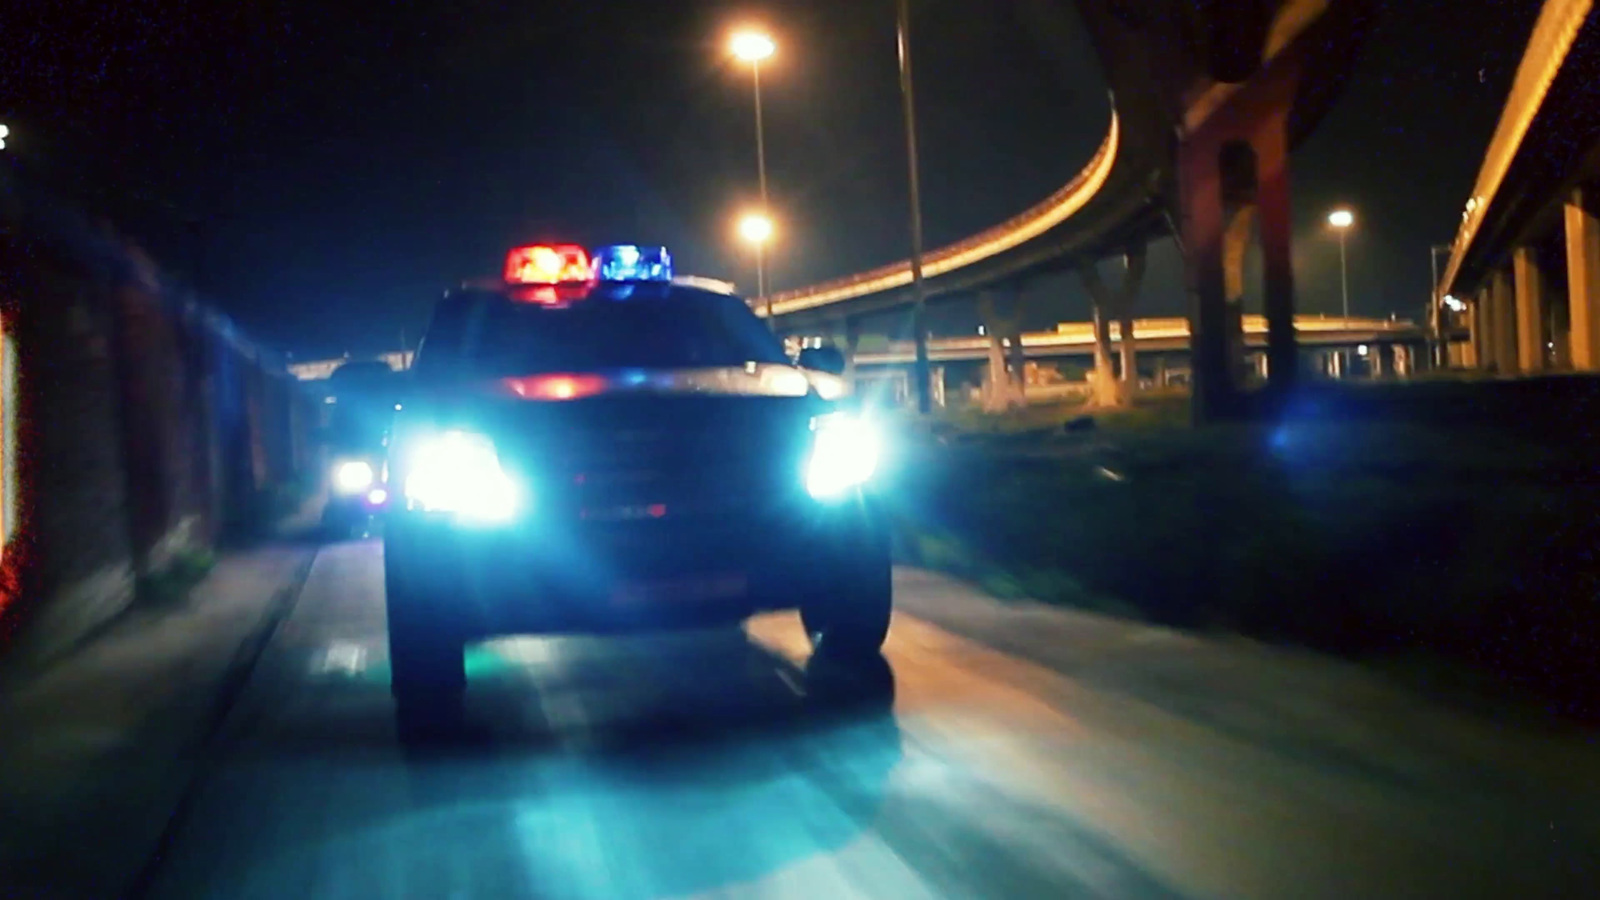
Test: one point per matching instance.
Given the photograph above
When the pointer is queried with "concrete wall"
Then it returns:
(142, 425)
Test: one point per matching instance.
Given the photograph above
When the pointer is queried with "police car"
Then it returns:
(588, 447)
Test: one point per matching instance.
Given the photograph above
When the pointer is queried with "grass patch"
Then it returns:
(1361, 537)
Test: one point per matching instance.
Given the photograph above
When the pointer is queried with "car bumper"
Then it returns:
(622, 577)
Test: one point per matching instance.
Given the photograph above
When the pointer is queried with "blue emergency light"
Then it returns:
(630, 262)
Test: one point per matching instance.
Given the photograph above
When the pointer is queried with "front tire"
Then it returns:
(851, 621)
(427, 659)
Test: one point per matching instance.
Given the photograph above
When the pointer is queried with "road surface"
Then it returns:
(1003, 751)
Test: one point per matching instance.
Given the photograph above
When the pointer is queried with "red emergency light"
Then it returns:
(548, 264)
(556, 387)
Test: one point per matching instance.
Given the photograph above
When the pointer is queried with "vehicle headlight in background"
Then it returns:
(459, 472)
(844, 454)
(352, 476)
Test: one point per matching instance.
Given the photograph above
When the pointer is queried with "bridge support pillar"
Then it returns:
(1108, 390)
(1200, 182)
(1476, 355)
(1583, 284)
(1006, 382)
(1235, 244)
(1236, 159)
(1277, 228)
(1530, 310)
(1503, 315)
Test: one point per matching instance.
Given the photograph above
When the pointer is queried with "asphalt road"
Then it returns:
(1000, 751)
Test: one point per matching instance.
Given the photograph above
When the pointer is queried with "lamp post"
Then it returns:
(1341, 220)
(1435, 319)
(919, 328)
(756, 229)
(753, 47)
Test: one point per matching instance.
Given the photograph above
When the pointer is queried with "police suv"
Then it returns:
(589, 447)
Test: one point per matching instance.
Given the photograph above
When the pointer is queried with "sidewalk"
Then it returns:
(95, 748)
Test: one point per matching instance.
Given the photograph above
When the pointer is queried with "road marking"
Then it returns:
(341, 656)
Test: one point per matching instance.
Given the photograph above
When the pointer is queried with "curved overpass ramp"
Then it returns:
(1163, 63)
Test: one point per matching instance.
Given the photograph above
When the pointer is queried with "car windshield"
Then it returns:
(674, 328)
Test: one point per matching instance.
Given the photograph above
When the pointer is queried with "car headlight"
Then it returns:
(459, 472)
(844, 454)
(352, 476)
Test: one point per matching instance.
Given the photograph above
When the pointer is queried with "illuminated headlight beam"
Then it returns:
(459, 472)
(353, 476)
(844, 454)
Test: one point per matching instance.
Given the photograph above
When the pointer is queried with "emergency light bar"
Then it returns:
(629, 262)
(548, 264)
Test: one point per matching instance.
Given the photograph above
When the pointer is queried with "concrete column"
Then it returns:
(1504, 314)
(1470, 354)
(1375, 361)
(1004, 330)
(1483, 318)
(1128, 344)
(1018, 363)
(1583, 285)
(1530, 310)
(1235, 244)
(1200, 189)
(1277, 229)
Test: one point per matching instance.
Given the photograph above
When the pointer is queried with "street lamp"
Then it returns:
(1434, 319)
(756, 229)
(5, 132)
(753, 47)
(1341, 220)
(908, 103)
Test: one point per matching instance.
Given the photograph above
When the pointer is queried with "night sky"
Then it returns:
(329, 168)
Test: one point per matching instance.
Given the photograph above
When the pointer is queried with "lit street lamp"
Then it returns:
(5, 132)
(1341, 220)
(753, 47)
(756, 229)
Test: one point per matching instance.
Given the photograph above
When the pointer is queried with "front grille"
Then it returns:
(629, 473)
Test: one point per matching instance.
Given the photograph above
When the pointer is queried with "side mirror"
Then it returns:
(826, 358)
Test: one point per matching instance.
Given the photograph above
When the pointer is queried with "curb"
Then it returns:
(235, 678)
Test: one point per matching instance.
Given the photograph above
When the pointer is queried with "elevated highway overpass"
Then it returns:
(1335, 348)
(1206, 100)
(1160, 335)
(1524, 269)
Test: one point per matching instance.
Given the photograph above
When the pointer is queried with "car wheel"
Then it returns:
(427, 666)
(851, 621)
